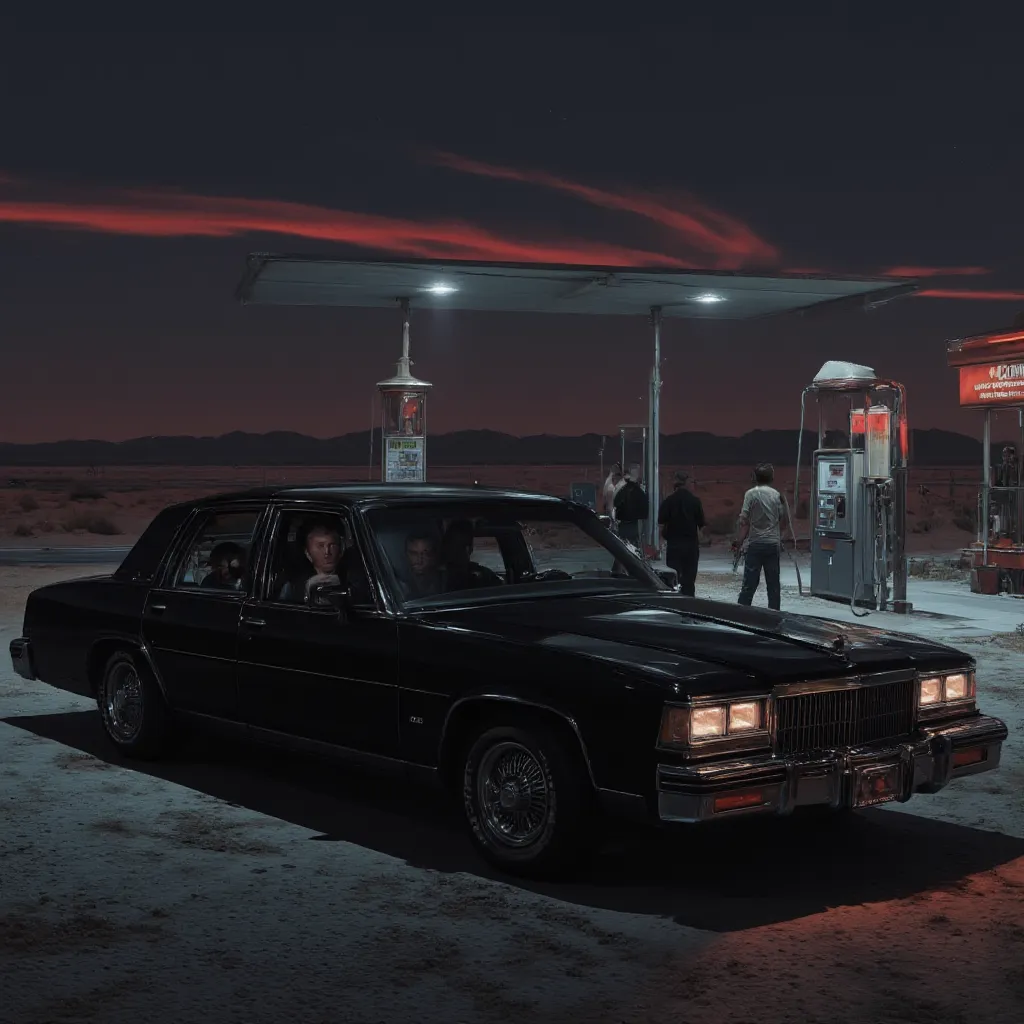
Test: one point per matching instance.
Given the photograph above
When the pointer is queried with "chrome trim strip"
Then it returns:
(842, 683)
(291, 670)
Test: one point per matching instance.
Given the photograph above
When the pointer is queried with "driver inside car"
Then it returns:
(461, 572)
(322, 552)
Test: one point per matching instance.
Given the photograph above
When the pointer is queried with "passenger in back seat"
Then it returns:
(227, 563)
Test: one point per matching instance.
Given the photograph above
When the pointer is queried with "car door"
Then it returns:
(191, 627)
(307, 671)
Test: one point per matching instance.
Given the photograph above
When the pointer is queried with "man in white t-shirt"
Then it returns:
(612, 485)
(760, 525)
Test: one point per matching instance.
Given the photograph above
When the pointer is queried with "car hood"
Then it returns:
(678, 636)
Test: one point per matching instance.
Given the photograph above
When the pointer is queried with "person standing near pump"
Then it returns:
(760, 525)
(681, 525)
(631, 509)
(612, 485)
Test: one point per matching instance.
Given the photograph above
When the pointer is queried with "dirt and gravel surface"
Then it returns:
(233, 884)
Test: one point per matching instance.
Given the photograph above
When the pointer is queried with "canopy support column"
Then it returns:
(406, 318)
(653, 468)
(986, 456)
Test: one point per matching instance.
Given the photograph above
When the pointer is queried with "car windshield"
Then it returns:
(434, 550)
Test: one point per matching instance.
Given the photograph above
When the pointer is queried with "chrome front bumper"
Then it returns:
(923, 764)
(21, 658)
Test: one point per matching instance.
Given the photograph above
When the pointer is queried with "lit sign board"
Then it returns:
(992, 384)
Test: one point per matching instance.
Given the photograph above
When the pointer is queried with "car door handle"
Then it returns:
(254, 623)
(158, 607)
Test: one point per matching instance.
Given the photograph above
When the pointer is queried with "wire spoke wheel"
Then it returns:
(513, 795)
(123, 702)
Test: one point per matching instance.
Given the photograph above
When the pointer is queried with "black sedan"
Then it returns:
(509, 646)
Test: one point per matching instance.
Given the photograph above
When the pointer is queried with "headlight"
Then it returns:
(955, 688)
(745, 717)
(706, 722)
(687, 726)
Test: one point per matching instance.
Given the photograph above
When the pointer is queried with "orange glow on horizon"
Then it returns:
(911, 271)
(967, 293)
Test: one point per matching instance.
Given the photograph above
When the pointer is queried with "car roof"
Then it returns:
(355, 494)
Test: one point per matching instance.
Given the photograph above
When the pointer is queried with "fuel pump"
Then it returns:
(858, 500)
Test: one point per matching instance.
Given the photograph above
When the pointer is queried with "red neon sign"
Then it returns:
(992, 384)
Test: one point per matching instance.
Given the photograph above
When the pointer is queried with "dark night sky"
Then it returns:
(850, 145)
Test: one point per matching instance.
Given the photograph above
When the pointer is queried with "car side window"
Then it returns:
(218, 557)
(487, 552)
(310, 548)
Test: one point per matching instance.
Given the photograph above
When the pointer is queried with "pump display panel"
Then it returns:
(832, 476)
(833, 488)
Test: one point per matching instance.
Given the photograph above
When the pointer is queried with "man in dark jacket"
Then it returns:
(680, 523)
(631, 509)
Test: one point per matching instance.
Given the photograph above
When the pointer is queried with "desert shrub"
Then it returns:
(46, 526)
(85, 492)
(722, 524)
(28, 503)
(100, 525)
(23, 530)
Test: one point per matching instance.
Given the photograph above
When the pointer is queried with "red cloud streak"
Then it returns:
(730, 243)
(176, 214)
(936, 272)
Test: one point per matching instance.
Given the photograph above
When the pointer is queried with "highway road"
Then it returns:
(62, 556)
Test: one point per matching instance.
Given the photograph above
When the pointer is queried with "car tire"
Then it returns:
(132, 708)
(539, 819)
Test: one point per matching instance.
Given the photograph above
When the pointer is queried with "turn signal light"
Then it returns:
(966, 757)
(734, 801)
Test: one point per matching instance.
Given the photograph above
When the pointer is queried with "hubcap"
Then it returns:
(513, 795)
(122, 699)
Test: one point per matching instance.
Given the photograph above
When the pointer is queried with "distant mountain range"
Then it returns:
(461, 448)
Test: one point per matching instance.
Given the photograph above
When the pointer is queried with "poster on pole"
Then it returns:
(404, 461)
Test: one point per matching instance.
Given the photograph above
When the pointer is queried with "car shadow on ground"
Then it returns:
(729, 876)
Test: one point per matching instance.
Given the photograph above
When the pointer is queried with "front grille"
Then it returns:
(844, 718)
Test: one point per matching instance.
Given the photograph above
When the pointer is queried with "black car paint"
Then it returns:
(603, 664)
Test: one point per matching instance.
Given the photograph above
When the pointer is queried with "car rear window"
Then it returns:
(142, 562)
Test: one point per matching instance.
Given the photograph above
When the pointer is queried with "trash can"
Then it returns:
(985, 579)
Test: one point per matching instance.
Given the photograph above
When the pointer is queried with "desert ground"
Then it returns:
(112, 505)
(231, 884)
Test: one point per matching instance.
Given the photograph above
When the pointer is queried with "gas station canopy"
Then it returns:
(291, 280)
